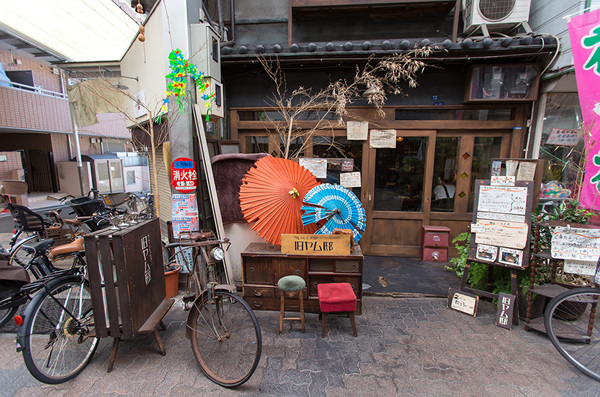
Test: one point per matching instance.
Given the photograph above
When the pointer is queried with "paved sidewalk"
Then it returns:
(404, 347)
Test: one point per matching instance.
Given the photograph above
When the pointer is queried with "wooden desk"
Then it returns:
(263, 265)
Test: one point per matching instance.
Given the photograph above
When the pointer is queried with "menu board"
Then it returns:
(501, 224)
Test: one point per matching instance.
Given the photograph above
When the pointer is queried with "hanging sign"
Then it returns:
(583, 31)
(184, 176)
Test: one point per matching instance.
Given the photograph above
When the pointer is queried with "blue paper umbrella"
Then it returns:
(338, 206)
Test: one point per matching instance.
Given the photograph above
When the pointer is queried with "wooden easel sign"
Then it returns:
(463, 302)
(506, 308)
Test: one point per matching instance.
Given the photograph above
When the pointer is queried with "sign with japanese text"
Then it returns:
(462, 302)
(318, 167)
(381, 139)
(584, 31)
(575, 243)
(563, 137)
(315, 244)
(506, 307)
(184, 176)
(357, 130)
(184, 214)
(504, 199)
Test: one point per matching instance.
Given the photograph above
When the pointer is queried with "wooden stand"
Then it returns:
(504, 225)
(514, 286)
(551, 289)
(263, 265)
(127, 282)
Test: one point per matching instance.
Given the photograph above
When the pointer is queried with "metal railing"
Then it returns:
(34, 89)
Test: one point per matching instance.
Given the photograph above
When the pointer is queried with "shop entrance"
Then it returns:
(427, 179)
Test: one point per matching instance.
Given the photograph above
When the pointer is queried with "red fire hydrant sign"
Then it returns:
(184, 176)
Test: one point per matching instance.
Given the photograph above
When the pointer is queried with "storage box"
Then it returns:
(435, 241)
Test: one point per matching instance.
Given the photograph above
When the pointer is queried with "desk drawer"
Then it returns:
(436, 239)
(323, 279)
(253, 291)
(349, 266)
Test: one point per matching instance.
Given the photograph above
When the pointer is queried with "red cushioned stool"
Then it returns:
(336, 298)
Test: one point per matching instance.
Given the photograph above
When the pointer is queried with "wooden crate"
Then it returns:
(126, 275)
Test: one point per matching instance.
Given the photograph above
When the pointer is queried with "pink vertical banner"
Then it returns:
(584, 31)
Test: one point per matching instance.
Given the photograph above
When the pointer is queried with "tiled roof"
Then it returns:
(442, 47)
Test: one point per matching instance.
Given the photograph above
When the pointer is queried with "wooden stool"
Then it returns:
(291, 285)
(337, 298)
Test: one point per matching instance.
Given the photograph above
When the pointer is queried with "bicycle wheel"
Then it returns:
(57, 339)
(569, 320)
(226, 338)
(21, 257)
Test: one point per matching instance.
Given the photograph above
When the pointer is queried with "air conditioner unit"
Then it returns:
(496, 15)
(205, 49)
(217, 107)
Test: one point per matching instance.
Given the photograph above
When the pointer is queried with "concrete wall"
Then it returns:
(551, 16)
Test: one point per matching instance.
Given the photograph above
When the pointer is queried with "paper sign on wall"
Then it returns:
(350, 179)
(503, 234)
(184, 214)
(317, 166)
(357, 130)
(576, 243)
(381, 139)
(505, 199)
(579, 267)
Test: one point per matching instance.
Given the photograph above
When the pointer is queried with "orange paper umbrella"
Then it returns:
(271, 196)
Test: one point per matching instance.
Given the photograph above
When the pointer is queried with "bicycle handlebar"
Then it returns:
(190, 243)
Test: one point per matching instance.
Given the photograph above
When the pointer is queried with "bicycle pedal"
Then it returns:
(189, 298)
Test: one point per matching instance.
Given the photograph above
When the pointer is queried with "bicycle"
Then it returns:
(35, 228)
(56, 335)
(222, 328)
(572, 328)
(13, 278)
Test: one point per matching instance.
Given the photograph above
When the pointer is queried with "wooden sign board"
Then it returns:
(506, 308)
(501, 224)
(315, 244)
(462, 302)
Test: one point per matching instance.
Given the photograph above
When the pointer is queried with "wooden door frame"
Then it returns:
(368, 180)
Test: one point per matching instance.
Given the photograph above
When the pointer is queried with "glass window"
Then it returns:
(131, 177)
(399, 175)
(295, 149)
(444, 174)
(342, 156)
(257, 144)
(564, 156)
(455, 114)
(484, 150)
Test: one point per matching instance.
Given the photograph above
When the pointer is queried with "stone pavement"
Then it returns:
(405, 346)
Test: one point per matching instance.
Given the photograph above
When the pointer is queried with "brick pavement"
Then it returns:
(404, 347)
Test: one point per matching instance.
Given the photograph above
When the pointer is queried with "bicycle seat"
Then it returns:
(39, 248)
(73, 222)
(201, 236)
(74, 246)
(27, 220)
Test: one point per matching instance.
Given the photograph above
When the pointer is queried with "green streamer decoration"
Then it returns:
(181, 68)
